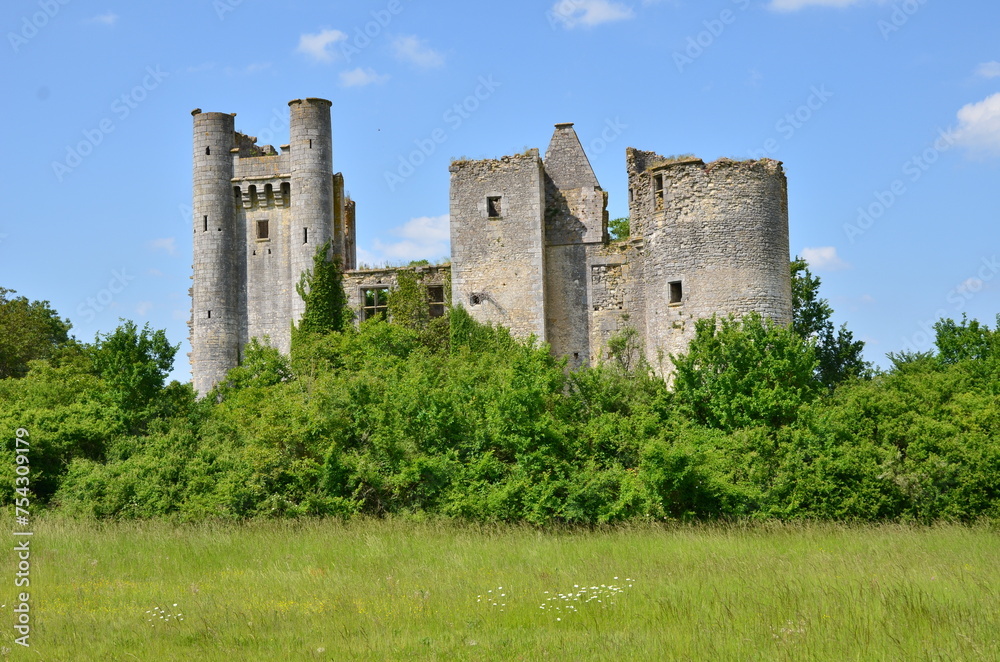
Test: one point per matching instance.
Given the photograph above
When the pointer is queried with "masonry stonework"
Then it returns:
(529, 243)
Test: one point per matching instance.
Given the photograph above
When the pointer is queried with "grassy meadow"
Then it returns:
(399, 590)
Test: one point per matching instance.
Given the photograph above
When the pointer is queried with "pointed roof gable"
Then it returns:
(566, 162)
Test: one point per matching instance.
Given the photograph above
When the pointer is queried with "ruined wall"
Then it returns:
(498, 271)
(357, 282)
(714, 241)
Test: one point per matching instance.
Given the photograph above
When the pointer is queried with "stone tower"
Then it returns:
(258, 218)
(712, 239)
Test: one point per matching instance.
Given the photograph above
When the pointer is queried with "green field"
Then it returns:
(396, 590)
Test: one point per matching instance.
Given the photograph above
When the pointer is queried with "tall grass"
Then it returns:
(389, 590)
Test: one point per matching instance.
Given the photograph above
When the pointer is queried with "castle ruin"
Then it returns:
(529, 243)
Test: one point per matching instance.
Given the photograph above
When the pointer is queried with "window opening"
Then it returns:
(305, 235)
(286, 193)
(658, 191)
(676, 292)
(262, 229)
(208, 151)
(206, 224)
(493, 206)
(435, 300)
(375, 302)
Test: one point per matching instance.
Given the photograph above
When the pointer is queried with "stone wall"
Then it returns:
(498, 270)
(714, 242)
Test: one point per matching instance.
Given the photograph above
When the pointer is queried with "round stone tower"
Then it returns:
(311, 144)
(715, 241)
(215, 318)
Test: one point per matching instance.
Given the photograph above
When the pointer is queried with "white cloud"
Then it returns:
(988, 69)
(795, 5)
(143, 307)
(588, 13)
(361, 76)
(979, 126)
(108, 18)
(316, 46)
(426, 237)
(167, 245)
(415, 51)
(824, 258)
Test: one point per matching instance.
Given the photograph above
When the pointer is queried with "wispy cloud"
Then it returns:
(361, 76)
(979, 126)
(108, 18)
(416, 51)
(795, 5)
(143, 307)
(589, 13)
(988, 69)
(425, 237)
(317, 46)
(168, 245)
(824, 258)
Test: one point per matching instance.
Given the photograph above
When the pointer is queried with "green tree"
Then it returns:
(618, 228)
(407, 301)
(322, 289)
(968, 341)
(262, 366)
(29, 330)
(741, 373)
(134, 365)
(839, 356)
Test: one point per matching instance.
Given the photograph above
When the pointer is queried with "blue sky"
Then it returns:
(885, 114)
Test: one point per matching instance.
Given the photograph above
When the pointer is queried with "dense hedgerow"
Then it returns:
(454, 418)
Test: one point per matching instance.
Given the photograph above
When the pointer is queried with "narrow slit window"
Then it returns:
(310, 143)
(210, 314)
(305, 235)
(205, 227)
(676, 292)
(493, 206)
(262, 229)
